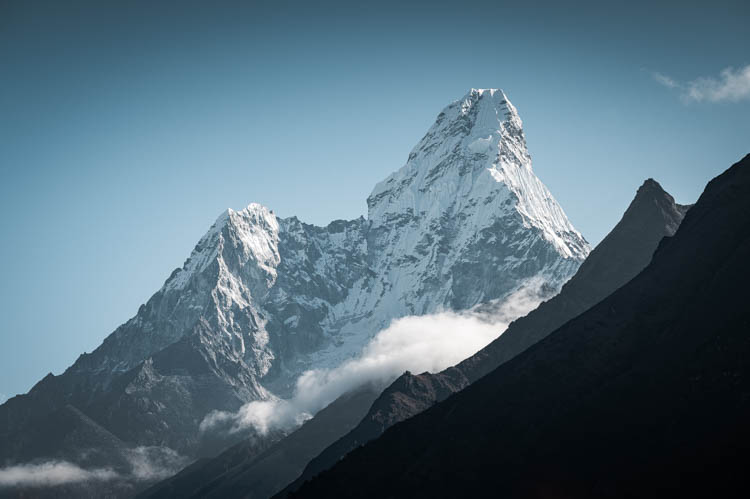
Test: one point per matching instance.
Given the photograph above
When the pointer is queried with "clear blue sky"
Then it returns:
(125, 131)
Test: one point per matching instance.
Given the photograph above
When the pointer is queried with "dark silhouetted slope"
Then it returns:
(625, 251)
(645, 394)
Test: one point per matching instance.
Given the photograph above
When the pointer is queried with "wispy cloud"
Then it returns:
(150, 463)
(147, 464)
(664, 80)
(732, 85)
(415, 343)
(52, 473)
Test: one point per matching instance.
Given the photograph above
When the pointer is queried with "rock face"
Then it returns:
(627, 249)
(261, 299)
(643, 395)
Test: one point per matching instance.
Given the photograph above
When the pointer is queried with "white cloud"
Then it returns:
(154, 463)
(416, 343)
(51, 473)
(732, 85)
(146, 464)
(664, 80)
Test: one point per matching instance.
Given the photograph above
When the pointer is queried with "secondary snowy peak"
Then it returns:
(473, 161)
(252, 235)
(230, 270)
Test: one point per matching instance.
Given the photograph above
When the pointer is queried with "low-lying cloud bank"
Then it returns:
(144, 463)
(732, 85)
(52, 473)
(415, 343)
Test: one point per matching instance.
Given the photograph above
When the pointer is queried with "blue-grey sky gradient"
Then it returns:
(125, 130)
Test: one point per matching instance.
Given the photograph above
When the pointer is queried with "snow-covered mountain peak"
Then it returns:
(490, 111)
(474, 161)
(261, 300)
(235, 239)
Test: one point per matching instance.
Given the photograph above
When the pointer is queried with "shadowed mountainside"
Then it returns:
(625, 251)
(645, 394)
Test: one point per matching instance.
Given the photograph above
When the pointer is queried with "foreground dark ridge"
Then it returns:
(622, 254)
(645, 394)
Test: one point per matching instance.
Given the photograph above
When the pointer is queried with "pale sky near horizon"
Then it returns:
(126, 130)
